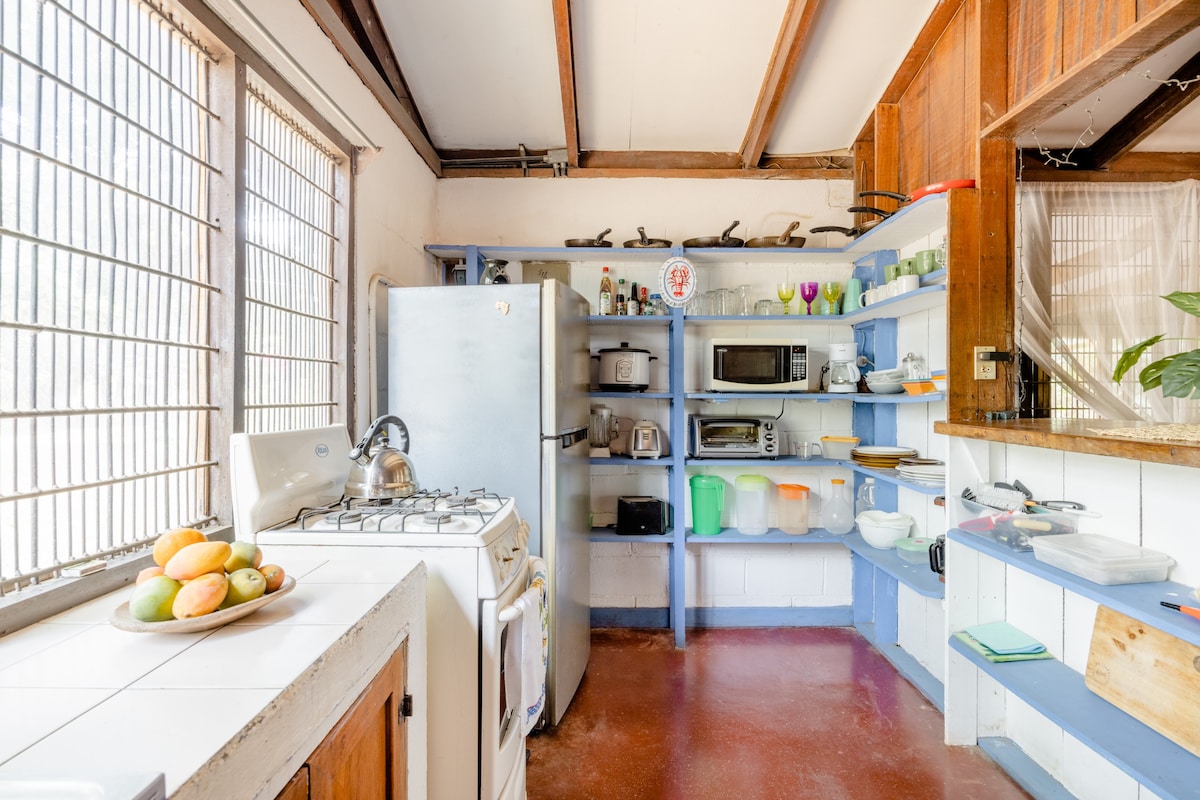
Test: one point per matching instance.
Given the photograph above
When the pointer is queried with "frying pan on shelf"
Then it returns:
(597, 242)
(785, 239)
(643, 241)
(933, 188)
(724, 240)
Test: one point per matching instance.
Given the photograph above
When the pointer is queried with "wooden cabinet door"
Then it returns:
(297, 787)
(365, 756)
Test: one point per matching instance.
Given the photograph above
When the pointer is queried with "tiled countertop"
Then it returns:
(231, 712)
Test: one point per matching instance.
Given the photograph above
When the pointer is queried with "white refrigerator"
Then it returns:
(492, 383)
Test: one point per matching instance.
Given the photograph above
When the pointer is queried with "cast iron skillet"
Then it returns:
(724, 240)
(783, 240)
(644, 242)
(597, 242)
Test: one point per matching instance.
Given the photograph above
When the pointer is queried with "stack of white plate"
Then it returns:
(881, 457)
(922, 470)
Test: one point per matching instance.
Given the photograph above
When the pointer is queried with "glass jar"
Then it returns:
(793, 508)
(914, 367)
(837, 515)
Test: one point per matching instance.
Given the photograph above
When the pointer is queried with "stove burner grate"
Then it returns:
(427, 507)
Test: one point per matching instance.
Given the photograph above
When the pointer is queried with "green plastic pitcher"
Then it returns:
(708, 500)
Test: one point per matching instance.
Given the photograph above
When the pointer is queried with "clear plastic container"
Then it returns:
(751, 497)
(837, 516)
(1101, 559)
(838, 447)
(793, 508)
(865, 501)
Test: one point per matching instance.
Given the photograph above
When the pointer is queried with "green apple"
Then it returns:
(242, 555)
(152, 599)
(244, 585)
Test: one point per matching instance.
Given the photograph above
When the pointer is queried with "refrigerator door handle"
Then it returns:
(570, 438)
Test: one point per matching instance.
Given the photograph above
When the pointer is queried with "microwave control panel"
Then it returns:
(799, 362)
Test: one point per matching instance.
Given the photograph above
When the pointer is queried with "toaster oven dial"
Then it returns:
(768, 439)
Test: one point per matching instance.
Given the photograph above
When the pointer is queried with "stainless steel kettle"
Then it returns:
(381, 472)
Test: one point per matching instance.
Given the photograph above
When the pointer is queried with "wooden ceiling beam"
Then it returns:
(939, 19)
(363, 20)
(1169, 21)
(329, 16)
(793, 34)
(1135, 166)
(566, 78)
(782, 174)
(1149, 115)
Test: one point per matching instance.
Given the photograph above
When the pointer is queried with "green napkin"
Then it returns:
(995, 657)
(1004, 639)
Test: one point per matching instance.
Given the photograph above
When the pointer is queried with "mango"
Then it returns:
(242, 555)
(198, 559)
(244, 585)
(148, 573)
(172, 542)
(274, 575)
(153, 599)
(200, 596)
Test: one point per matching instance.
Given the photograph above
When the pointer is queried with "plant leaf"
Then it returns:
(1131, 355)
(1151, 376)
(1185, 301)
(1181, 378)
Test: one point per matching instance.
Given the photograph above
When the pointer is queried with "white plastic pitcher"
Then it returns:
(751, 498)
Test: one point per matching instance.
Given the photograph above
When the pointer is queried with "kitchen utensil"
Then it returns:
(644, 241)
(493, 271)
(381, 472)
(750, 492)
(793, 508)
(870, 210)
(624, 368)
(600, 431)
(933, 188)
(1148, 674)
(807, 450)
(1191, 612)
(645, 440)
(724, 240)
(599, 241)
(708, 500)
(785, 239)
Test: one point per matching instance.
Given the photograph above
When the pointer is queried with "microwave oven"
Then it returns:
(732, 437)
(757, 365)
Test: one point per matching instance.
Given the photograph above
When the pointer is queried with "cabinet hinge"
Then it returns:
(406, 706)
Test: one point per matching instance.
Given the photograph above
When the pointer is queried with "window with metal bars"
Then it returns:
(110, 345)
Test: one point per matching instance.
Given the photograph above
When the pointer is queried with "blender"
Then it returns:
(843, 368)
(600, 431)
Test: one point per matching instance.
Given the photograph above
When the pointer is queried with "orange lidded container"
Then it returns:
(793, 508)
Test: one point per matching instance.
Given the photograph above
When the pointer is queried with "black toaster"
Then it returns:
(639, 514)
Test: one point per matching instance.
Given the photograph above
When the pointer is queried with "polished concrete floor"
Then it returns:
(752, 714)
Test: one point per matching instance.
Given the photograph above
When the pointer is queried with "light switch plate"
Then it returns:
(984, 370)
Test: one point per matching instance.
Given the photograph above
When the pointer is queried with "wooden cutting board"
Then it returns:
(1148, 674)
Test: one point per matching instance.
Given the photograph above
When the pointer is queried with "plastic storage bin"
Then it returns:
(838, 447)
(751, 494)
(914, 550)
(1101, 559)
(1013, 529)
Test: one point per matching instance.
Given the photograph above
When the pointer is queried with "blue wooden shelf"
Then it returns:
(821, 397)
(772, 536)
(918, 577)
(781, 461)
(635, 395)
(610, 535)
(624, 320)
(892, 476)
(1137, 600)
(1059, 693)
(626, 461)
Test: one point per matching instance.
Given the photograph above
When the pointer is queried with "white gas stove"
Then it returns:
(288, 491)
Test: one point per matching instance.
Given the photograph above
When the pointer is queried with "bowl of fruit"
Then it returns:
(198, 584)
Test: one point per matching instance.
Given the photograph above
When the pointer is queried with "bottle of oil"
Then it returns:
(620, 296)
(606, 293)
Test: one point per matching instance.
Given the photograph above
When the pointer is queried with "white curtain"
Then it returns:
(1093, 263)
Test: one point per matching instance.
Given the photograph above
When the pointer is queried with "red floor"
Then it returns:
(748, 714)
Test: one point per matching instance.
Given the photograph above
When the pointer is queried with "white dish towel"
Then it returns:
(527, 653)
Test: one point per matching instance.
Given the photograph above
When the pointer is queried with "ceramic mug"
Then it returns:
(907, 283)
(926, 262)
(890, 272)
(908, 266)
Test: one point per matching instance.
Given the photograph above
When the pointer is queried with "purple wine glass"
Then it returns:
(808, 293)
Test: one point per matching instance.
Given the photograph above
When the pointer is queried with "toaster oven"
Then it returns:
(732, 437)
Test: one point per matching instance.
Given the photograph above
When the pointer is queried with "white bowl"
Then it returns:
(881, 529)
(880, 387)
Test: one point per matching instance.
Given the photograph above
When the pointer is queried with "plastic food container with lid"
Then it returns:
(914, 550)
(793, 508)
(751, 508)
(838, 447)
(1102, 559)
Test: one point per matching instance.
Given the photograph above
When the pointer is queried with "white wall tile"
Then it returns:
(1170, 494)
(1109, 486)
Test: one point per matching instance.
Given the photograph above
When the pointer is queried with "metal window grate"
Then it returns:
(291, 212)
(104, 283)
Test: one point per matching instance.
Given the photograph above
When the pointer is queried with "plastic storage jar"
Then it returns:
(793, 508)
(708, 500)
(837, 515)
(751, 493)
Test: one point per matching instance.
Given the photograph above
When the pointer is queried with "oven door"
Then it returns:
(501, 741)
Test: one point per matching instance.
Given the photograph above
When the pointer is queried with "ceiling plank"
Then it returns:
(939, 20)
(1164, 25)
(793, 34)
(1162, 104)
(816, 173)
(566, 78)
(362, 15)
(1135, 166)
(658, 159)
(327, 16)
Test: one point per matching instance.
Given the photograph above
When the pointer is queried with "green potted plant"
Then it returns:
(1177, 375)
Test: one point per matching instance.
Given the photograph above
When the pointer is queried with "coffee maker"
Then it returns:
(843, 368)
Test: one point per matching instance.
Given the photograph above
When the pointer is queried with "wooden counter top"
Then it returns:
(1079, 436)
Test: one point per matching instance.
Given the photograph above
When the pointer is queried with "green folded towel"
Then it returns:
(1004, 639)
(995, 657)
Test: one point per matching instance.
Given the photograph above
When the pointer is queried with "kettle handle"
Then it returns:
(379, 426)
